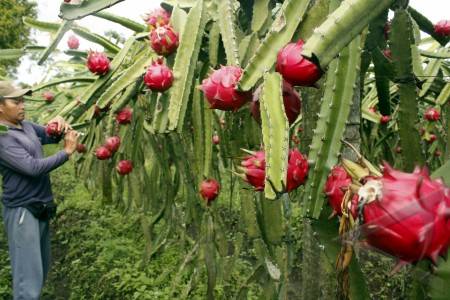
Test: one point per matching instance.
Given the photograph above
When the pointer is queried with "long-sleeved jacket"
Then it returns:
(24, 169)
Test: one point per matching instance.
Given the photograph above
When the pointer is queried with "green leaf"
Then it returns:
(87, 7)
(40, 25)
(125, 22)
(65, 26)
(95, 38)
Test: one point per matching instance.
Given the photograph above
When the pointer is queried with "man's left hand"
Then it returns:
(63, 126)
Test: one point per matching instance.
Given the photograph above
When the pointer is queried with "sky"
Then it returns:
(29, 72)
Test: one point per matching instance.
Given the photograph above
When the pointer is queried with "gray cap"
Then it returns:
(8, 91)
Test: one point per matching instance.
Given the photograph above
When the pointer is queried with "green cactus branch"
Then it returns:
(341, 27)
(325, 147)
(87, 7)
(228, 31)
(402, 38)
(185, 64)
(275, 128)
(427, 26)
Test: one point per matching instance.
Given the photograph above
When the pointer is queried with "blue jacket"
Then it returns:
(23, 166)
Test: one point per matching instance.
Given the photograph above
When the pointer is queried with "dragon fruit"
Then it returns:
(157, 18)
(73, 42)
(220, 89)
(295, 68)
(81, 148)
(442, 28)
(209, 190)
(124, 116)
(406, 214)
(158, 77)
(215, 139)
(98, 63)
(432, 114)
(103, 153)
(385, 119)
(52, 130)
(335, 187)
(291, 99)
(254, 168)
(164, 40)
(48, 96)
(112, 143)
(124, 167)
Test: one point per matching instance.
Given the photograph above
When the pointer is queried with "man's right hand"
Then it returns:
(71, 141)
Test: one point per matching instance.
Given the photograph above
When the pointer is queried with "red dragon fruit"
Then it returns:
(52, 130)
(385, 119)
(215, 139)
(98, 63)
(48, 96)
(124, 116)
(157, 18)
(337, 183)
(387, 53)
(295, 68)
(158, 77)
(209, 190)
(112, 143)
(254, 168)
(124, 167)
(81, 148)
(220, 89)
(406, 214)
(164, 40)
(432, 114)
(442, 28)
(73, 42)
(291, 99)
(102, 153)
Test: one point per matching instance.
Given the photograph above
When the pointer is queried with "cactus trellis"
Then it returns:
(170, 135)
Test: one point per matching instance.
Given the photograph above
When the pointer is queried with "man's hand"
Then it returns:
(70, 141)
(63, 126)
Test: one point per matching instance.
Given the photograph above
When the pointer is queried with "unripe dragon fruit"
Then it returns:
(209, 190)
(102, 153)
(98, 63)
(124, 116)
(159, 77)
(124, 167)
(406, 214)
(442, 28)
(335, 187)
(220, 89)
(48, 96)
(295, 68)
(81, 148)
(112, 143)
(432, 114)
(291, 99)
(52, 130)
(73, 42)
(254, 168)
(157, 18)
(164, 40)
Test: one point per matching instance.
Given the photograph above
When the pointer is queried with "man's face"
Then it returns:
(12, 110)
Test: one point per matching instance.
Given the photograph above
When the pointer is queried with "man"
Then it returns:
(27, 196)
